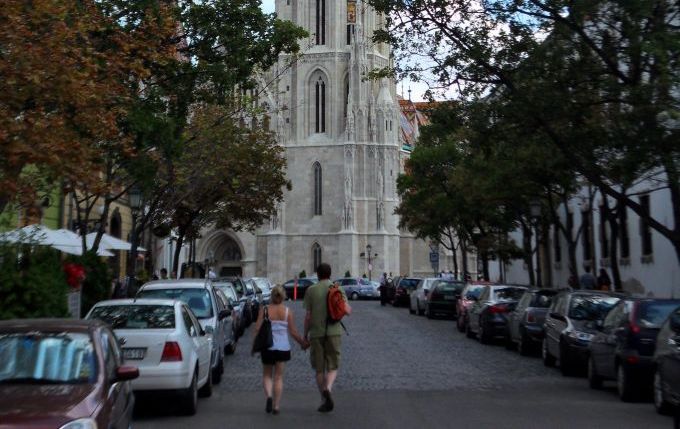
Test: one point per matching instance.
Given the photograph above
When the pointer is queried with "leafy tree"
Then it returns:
(596, 78)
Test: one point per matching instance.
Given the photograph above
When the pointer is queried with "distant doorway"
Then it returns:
(231, 271)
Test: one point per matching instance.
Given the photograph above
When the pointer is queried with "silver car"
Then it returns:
(199, 295)
(265, 286)
(419, 295)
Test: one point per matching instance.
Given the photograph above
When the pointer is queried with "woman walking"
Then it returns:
(274, 359)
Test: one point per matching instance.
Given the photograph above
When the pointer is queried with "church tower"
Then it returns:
(339, 130)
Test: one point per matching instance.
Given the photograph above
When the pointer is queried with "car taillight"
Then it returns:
(171, 352)
(498, 308)
(531, 318)
(634, 328)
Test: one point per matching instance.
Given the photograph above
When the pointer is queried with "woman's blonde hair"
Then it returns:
(278, 294)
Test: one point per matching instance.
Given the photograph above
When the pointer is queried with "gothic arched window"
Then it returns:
(320, 22)
(320, 105)
(316, 255)
(317, 189)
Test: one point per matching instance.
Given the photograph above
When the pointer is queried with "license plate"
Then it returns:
(449, 298)
(135, 354)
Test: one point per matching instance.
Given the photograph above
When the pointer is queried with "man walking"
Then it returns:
(588, 280)
(324, 337)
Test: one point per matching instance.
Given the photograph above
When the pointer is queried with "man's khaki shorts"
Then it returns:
(325, 353)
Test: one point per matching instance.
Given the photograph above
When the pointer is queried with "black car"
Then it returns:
(487, 317)
(571, 324)
(391, 288)
(667, 359)
(525, 322)
(402, 291)
(302, 285)
(623, 350)
(441, 299)
(245, 296)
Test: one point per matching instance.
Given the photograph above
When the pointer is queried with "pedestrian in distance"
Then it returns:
(603, 280)
(383, 289)
(275, 358)
(323, 336)
(164, 273)
(588, 280)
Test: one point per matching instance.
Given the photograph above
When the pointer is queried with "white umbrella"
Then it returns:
(40, 235)
(112, 243)
(78, 249)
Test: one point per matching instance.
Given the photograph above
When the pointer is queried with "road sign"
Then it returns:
(434, 257)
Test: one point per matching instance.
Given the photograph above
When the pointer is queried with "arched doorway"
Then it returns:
(226, 252)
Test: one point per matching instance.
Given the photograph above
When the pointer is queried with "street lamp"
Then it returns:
(135, 203)
(369, 255)
(535, 212)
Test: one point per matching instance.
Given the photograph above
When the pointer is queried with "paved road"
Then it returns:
(403, 371)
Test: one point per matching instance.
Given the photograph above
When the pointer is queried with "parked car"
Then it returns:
(403, 289)
(166, 341)
(525, 322)
(302, 285)
(468, 297)
(247, 299)
(230, 335)
(255, 295)
(63, 373)
(199, 295)
(265, 286)
(418, 296)
(487, 316)
(623, 347)
(567, 331)
(667, 369)
(441, 300)
(356, 288)
(239, 307)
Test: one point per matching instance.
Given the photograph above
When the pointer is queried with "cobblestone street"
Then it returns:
(399, 370)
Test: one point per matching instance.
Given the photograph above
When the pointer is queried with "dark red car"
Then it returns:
(467, 297)
(59, 373)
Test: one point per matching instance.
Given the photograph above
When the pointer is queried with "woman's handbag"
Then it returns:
(263, 340)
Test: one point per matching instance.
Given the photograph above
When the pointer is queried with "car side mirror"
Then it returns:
(207, 330)
(125, 373)
(224, 314)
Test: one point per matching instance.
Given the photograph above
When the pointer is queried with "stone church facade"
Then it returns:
(342, 139)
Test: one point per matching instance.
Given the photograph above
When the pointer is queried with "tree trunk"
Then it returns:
(485, 265)
(463, 249)
(178, 249)
(612, 220)
(528, 253)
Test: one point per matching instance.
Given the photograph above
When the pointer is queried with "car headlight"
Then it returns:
(581, 336)
(86, 423)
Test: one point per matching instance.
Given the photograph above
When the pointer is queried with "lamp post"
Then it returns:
(135, 203)
(369, 255)
(535, 212)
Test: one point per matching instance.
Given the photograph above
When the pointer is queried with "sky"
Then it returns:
(417, 88)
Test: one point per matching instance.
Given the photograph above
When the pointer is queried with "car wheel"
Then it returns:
(460, 323)
(594, 380)
(354, 296)
(218, 371)
(662, 406)
(523, 346)
(420, 312)
(428, 313)
(566, 366)
(625, 384)
(468, 331)
(548, 359)
(482, 335)
(206, 390)
(190, 397)
(231, 348)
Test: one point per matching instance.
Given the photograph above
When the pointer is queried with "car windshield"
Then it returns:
(653, 314)
(228, 291)
(135, 316)
(449, 286)
(509, 293)
(591, 307)
(47, 358)
(262, 284)
(409, 283)
(197, 299)
(474, 292)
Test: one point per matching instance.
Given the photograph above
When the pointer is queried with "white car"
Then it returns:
(265, 286)
(419, 295)
(165, 341)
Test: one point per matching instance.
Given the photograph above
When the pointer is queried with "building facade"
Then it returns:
(342, 139)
